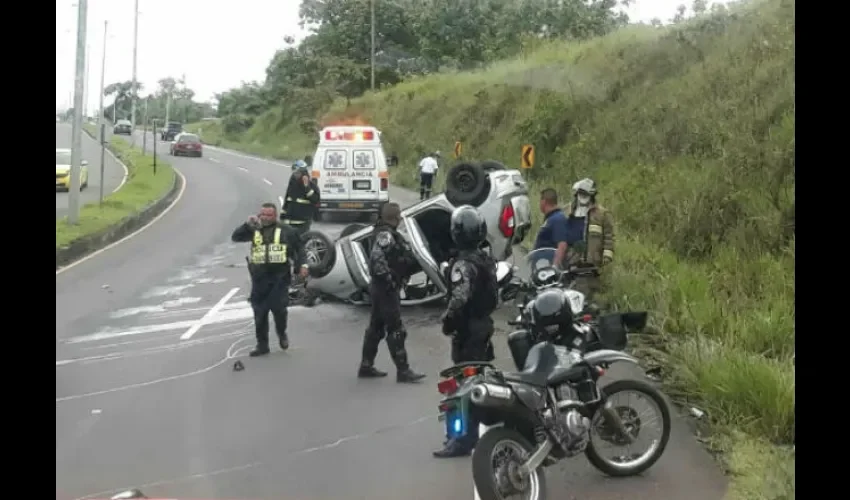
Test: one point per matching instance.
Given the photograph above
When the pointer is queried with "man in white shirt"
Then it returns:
(427, 169)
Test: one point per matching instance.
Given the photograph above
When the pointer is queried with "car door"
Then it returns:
(357, 262)
(364, 181)
(419, 247)
(334, 180)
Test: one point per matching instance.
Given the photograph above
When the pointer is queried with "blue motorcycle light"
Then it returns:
(457, 425)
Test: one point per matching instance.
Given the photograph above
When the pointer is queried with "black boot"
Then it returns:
(453, 448)
(284, 342)
(259, 351)
(408, 376)
(369, 371)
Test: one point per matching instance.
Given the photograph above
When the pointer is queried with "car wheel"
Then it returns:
(467, 184)
(351, 229)
(320, 253)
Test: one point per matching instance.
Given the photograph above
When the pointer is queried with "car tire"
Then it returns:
(467, 184)
(321, 269)
(351, 229)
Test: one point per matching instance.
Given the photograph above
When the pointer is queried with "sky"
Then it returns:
(217, 44)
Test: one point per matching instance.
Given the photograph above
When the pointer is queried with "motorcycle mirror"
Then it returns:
(129, 494)
(444, 266)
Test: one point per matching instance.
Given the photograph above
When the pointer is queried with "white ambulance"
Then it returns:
(350, 168)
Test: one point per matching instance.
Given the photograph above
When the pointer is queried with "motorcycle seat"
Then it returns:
(530, 377)
(556, 377)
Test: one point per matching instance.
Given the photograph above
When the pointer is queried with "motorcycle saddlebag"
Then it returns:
(519, 342)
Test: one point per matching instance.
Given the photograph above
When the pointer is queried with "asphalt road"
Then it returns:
(136, 406)
(113, 171)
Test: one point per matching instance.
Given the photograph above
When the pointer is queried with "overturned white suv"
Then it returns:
(340, 269)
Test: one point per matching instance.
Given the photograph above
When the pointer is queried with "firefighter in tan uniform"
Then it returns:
(590, 235)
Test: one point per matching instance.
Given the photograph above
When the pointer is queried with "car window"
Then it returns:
(188, 138)
(63, 157)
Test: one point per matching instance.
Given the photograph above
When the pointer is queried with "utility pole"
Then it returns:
(185, 105)
(135, 59)
(86, 89)
(144, 127)
(77, 128)
(102, 118)
(167, 107)
(373, 43)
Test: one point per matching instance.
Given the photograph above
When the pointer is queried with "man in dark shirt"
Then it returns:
(553, 231)
(275, 248)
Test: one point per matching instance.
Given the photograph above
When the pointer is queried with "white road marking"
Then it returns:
(133, 234)
(267, 181)
(247, 157)
(209, 315)
(242, 169)
(214, 160)
(110, 153)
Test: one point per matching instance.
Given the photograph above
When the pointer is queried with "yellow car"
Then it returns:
(63, 171)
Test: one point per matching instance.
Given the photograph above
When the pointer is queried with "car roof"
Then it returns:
(122, 122)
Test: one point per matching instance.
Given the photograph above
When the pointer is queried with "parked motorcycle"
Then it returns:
(553, 408)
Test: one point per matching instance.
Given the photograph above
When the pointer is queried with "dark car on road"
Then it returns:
(123, 127)
(187, 145)
(170, 131)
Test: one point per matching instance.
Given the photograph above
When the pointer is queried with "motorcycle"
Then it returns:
(553, 408)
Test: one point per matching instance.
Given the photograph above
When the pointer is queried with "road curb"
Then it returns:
(93, 242)
(114, 157)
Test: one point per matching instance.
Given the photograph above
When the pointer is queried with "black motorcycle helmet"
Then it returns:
(468, 228)
(551, 308)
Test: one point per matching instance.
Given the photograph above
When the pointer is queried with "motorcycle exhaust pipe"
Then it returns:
(491, 396)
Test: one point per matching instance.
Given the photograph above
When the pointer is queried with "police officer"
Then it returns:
(390, 262)
(275, 249)
(590, 235)
(299, 205)
(473, 296)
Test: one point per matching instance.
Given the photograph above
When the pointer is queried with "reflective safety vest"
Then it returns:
(272, 253)
(301, 201)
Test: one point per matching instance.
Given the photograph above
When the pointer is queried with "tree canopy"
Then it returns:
(412, 37)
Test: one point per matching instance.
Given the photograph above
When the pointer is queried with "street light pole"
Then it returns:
(135, 58)
(372, 2)
(102, 120)
(77, 128)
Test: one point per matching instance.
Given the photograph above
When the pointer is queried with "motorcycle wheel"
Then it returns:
(494, 482)
(632, 421)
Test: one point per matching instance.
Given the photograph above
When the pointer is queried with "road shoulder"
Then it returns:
(147, 194)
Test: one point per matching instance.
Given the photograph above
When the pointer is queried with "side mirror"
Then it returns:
(504, 272)
(392, 161)
(444, 266)
(84, 163)
(308, 160)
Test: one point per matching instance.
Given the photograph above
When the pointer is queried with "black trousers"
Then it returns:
(385, 322)
(425, 182)
(472, 343)
(275, 300)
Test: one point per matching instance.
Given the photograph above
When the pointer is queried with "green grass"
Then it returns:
(689, 131)
(141, 189)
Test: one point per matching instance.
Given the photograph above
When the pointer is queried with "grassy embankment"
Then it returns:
(141, 189)
(689, 131)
